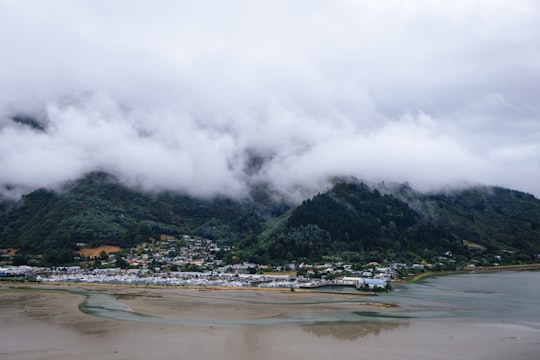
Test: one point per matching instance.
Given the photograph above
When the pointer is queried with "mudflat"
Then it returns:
(237, 304)
(46, 323)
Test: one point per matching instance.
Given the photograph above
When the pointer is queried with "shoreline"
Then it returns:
(523, 267)
(408, 280)
(420, 276)
(187, 287)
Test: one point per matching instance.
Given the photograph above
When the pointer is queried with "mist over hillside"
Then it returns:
(211, 98)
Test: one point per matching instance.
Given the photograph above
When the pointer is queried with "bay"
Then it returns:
(473, 316)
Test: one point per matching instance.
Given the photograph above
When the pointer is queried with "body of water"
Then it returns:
(501, 297)
(474, 316)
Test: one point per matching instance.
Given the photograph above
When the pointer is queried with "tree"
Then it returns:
(120, 261)
(19, 259)
(58, 256)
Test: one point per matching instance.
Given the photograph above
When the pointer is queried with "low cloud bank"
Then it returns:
(211, 98)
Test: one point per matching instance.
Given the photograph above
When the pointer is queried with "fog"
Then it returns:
(211, 97)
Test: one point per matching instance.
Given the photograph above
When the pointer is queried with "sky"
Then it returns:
(211, 97)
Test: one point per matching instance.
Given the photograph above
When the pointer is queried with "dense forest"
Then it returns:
(98, 210)
(351, 221)
(354, 221)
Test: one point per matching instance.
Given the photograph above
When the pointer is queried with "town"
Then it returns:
(196, 261)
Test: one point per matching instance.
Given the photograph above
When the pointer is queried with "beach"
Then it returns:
(47, 323)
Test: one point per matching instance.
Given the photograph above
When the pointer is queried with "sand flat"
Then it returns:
(234, 304)
(47, 324)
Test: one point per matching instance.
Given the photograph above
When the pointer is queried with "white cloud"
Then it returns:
(173, 95)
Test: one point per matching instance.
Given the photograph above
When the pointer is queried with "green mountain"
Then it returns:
(351, 221)
(98, 210)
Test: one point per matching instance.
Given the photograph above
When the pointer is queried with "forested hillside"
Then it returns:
(494, 218)
(97, 210)
(355, 221)
(351, 221)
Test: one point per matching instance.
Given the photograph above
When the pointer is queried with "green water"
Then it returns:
(502, 297)
(512, 297)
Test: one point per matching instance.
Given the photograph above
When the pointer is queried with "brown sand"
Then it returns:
(38, 324)
(96, 252)
(233, 304)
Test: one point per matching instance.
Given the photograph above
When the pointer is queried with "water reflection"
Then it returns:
(352, 331)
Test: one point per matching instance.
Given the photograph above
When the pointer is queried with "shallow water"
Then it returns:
(505, 297)
(458, 317)
(502, 297)
(108, 306)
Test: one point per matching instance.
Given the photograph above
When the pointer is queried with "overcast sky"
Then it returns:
(177, 95)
